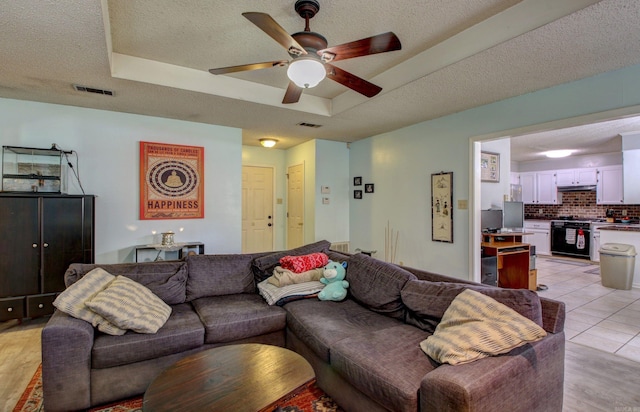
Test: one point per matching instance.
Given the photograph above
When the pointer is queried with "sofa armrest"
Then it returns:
(553, 315)
(66, 363)
(529, 378)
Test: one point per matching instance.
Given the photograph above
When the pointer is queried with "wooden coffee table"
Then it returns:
(246, 377)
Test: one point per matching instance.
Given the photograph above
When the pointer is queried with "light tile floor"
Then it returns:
(599, 317)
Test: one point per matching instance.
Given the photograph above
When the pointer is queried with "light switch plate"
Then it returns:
(325, 201)
(463, 204)
(325, 190)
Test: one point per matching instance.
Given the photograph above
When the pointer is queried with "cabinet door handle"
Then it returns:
(46, 245)
(34, 245)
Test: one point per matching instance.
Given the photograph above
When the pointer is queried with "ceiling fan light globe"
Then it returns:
(306, 73)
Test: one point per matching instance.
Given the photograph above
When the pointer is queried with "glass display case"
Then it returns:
(27, 169)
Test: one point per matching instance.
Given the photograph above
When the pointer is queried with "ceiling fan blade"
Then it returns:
(293, 94)
(268, 25)
(371, 45)
(247, 67)
(352, 81)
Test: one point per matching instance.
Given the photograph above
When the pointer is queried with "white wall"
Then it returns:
(108, 147)
(572, 162)
(493, 192)
(400, 164)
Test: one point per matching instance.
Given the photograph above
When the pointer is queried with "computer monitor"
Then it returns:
(513, 216)
(491, 220)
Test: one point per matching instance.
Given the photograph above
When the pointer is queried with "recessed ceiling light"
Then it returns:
(558, 153)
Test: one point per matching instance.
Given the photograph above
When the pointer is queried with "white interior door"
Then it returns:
(257, 209)
(295, 203)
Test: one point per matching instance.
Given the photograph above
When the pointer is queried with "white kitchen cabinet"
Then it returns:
(576, 177)
(546, 188)
(528, 182)
(540, 237)
(631, 181)
(539, 188)
(609, 189)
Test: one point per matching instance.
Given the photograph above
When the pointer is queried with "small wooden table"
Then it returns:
(247, 377)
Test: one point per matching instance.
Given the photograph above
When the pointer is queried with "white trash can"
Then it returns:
(617, 263)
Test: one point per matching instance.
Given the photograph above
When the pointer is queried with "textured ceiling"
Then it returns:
(456, 54)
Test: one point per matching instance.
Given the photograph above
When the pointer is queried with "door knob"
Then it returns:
(269, 225)
(269, 217)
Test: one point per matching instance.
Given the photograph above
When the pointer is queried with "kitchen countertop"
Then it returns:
(624, 227)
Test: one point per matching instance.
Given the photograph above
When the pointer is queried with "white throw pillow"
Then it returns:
(476, 326)
(130, 305)
(72, 300)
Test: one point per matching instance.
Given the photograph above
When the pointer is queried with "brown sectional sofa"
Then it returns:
(365, 350)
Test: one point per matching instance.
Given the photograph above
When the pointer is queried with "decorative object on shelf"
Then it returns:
(30, 169)
(390, 245)
(167, 238)
(490, 167)
(171, 181)
(441, 207)
(357, 194)
(357, 181)
(368, 188)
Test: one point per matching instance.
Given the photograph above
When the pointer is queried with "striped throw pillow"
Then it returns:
(72, 300)
(476, 326)
(130, 305)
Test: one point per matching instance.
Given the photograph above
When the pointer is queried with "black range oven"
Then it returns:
(570, 238)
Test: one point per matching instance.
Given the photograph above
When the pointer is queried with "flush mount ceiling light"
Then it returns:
(306, 72)
(268, 142)
(558, 153)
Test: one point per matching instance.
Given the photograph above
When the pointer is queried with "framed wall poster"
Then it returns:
(442, 207)
(357, 181)
(171, 181)
(489, 167)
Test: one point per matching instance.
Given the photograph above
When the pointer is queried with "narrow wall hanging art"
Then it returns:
(442, 207)
(171, 181)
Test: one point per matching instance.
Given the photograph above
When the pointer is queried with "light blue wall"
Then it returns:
(400, 164)
(332, 169)
(108, 147)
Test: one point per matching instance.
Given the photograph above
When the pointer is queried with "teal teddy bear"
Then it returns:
(333, 277)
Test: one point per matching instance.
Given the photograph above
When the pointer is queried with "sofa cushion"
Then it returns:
(73, 300)
(377, 284)
(215, 275)
(387, 365)
(319, 324)
(427, 301)
(263, 266)
(476, 326)
(182, 331)
(232, 317)
(129, 305)
(167, 280)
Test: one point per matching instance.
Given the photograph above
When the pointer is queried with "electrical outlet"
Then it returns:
(624, 212)
(540, 211)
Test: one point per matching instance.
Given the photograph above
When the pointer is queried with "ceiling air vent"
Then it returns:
(92, 90)
(315, 126)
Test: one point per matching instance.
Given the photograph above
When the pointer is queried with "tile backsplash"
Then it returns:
(579, 204)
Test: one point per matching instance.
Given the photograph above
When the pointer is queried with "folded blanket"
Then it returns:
(299, 264)
(273, 294)
(284, 277)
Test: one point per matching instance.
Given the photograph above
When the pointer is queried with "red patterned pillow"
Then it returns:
(299, 264)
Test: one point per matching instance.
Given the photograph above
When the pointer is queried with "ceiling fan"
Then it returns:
(311, 58)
